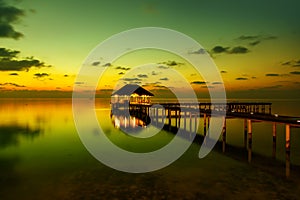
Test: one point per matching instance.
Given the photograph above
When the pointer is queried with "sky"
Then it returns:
(254, 44)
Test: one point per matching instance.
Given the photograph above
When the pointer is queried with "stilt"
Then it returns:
(224, 135)
(204, 118)
(245, 133)
(287, 149)
(274, 140)
(249, 140)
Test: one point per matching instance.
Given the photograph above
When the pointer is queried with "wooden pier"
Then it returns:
(250, 112)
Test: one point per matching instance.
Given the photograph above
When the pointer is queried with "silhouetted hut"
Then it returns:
(132, 93)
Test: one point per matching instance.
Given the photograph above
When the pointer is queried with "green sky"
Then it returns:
(254, 43)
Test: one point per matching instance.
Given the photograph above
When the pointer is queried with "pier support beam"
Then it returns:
(204, 119)
(245, 133)
(224, 135)
(274, 140)
(287, 149)
(249, 140)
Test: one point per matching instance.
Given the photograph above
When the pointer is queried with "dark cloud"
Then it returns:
(142, 75)
(292, 63)
(295, 72)
(9, 15)
(216, 83)
(249, 37)
(154, 73)
(219, 49)
(12, 84)
(96, 63)
(238, 50)
(254, 43)
(255, 39)
(132, 79)
(241, 79)
(121, 73)
(199, 51)
(162, 67)
(198, 82)
(66, 75)
(40, 75)
(7, 53)
(254, 77)
(106, 65)
(223, 72)
(164, 79)
(123, 68)
(172, 63)
(14, 74)
(9, 61)
(271, 74)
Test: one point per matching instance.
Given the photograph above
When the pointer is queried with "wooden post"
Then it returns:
(190, 122)
(204, 118)
(224, 135)
(274, 140)
(287, 149)
(196, 124)
(249, 140)
(245, 133)
(184, 122)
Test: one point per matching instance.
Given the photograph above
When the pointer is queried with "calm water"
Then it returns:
(42, 157)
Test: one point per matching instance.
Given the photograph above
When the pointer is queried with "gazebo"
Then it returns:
(132, 93)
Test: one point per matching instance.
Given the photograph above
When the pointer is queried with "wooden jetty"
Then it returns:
(249, 111)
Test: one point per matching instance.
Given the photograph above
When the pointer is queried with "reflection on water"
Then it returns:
(42, 157)
(10, 134)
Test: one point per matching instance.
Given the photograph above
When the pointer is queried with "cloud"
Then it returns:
(14, 74)
(9, 61)
(9, 15)
(254, 43)
(271, 87)
(198, 82)
(271, 74)
(223, 72)
(293, 63)
(79, 83)
(295, 72)
(96, 63)
(142, 75)
(121, 73)
(132, 79)
(66, 75)
(162, 67)
(12, 84)
(199, 51)
(153, 73)
(7, 53)
(216, 83)
(239, 50)
(241, 79)
(219, 49)
(255, 39)
(172, 63)
(123, 68)
(106, 65)
(41, 75)
(164, 79)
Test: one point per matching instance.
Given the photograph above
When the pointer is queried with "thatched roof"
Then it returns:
(131, 89)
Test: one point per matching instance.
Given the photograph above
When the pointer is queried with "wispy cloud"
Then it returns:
(198, 82)
(199, 51)
(142, 75)
(295, 72)
(96, 63)
(14, 74)
(241, 79)
(11, 84)
(122, 68)
(254, 40)
(292, 63)
(164, 79)
(272, 74)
